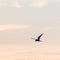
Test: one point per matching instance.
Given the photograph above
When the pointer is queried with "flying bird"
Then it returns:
(38, 38)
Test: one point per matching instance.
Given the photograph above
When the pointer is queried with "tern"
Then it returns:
(38, 38)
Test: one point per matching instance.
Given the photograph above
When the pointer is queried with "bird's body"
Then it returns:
(37, 40)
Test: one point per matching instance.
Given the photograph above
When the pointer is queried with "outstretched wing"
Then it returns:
(40, 36)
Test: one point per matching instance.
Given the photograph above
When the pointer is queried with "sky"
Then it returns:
(20, 20)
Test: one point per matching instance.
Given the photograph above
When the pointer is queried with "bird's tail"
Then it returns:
(32, 38)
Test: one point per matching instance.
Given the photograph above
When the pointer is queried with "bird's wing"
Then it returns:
(40, 36)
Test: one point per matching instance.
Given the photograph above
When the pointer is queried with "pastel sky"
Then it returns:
(20, 20)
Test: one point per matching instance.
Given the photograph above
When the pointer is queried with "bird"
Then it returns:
(38, 38)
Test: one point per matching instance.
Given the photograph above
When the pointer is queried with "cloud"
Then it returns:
(50, 28)
(54, 1)
(11, 3)
(12, 27)
(47, 28)
(39, 4)
(22, 3)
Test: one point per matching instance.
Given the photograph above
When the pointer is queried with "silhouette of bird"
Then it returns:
(39, 37)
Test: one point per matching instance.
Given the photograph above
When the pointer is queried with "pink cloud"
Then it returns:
(12, 27)
(12, 3)
(39, 4)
